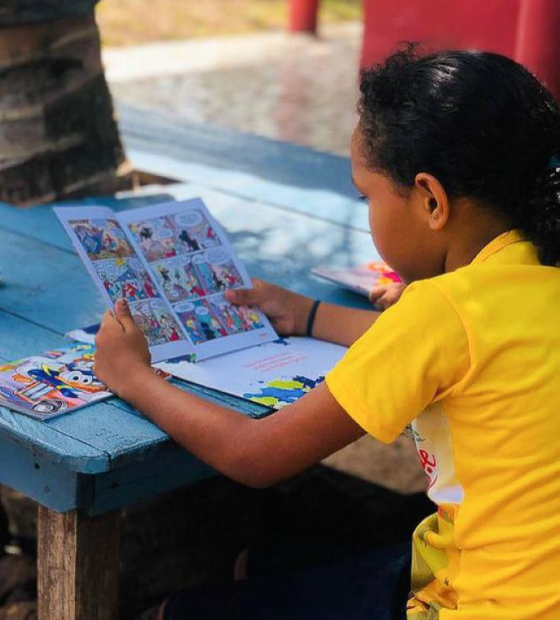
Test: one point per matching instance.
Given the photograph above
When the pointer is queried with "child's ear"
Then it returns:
(433, 199)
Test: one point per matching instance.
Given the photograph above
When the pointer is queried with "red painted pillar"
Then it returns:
(303, 15)
(538, 40)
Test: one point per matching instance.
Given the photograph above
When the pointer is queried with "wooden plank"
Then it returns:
(140, 481)
(24, 468)
(78, 566)
(49, 287)
(243, 165)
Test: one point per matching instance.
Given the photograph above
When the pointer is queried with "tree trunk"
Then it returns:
(58, 135)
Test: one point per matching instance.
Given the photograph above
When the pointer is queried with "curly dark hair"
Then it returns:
(482, 124)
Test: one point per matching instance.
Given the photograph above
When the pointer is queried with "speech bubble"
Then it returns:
(217, 256)
(108, 270)
(135, 265)
(189, 219)
(162, 232)
(202, 311)
(100, 223)
(198, 259)
(184, 307)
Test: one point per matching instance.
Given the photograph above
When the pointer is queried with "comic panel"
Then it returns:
(156, 323)
(155, 237)
(193, 232)
(52, 383)
(200, 321)
(216, 271)
(125, 278)
(101, 238)
(236, 319)
(179, 279)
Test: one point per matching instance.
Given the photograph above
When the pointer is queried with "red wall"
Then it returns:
(527, 30)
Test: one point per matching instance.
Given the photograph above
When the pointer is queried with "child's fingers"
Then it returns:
(376, 293)
(243, 296)
(108, 324)
(123, 315)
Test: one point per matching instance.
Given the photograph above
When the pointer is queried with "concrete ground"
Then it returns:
(298, 88)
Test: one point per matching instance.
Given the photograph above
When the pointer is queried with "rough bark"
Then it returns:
(58, 135)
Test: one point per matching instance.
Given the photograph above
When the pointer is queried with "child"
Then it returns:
(456, 154)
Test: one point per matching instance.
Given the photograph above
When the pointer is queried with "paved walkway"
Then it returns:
(298, 88)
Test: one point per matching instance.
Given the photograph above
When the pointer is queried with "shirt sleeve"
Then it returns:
(414, 354)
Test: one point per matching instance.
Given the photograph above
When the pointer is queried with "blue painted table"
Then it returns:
(286, 209)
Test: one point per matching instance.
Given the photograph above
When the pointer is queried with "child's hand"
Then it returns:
(386, 295)
(286, 311)
(121, 348)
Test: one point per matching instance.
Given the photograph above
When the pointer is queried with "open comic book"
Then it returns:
(54, 382)
(361, 278)
(172, 262)
(274, 374)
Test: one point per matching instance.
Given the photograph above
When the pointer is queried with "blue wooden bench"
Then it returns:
(286, 209)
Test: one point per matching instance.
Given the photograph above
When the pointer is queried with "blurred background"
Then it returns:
(235, 62)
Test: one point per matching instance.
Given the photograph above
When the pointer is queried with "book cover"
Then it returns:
(52, 383)
(360, 279)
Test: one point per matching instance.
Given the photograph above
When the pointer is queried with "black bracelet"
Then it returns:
(311, 318)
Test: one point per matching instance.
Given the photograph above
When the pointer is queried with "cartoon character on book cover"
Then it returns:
(51, 383)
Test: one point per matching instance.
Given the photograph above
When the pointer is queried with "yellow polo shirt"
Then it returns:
(471, 359)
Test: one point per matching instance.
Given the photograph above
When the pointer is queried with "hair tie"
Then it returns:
(554, 162)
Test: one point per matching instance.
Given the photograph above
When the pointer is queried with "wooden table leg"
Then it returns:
(78, 565)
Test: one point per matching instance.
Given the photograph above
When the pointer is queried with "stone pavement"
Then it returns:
(297, 87)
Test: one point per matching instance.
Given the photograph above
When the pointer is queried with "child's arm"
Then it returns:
(255, 452)
(288, 312)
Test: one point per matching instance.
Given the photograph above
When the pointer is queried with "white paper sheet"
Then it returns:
(273, 374)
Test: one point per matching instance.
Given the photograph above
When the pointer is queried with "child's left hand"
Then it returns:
(385, 295)
(121, 348)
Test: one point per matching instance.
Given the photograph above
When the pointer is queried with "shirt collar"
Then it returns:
(497, 244)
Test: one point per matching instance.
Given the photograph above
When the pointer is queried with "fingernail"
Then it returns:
(122, 303)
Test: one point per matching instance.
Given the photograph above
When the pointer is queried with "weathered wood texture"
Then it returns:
(78, 566)
(58, 135)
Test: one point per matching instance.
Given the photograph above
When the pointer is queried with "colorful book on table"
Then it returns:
(52, 383)
(172, 263)
(360, 279)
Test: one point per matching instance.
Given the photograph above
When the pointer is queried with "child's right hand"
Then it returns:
(287, 311)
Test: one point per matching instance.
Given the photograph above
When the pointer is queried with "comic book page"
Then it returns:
(193, 264)
(360, 279)
(119, 272)
(52, 383)
(273, 374)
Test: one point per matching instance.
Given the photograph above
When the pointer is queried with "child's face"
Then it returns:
(398, 221)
